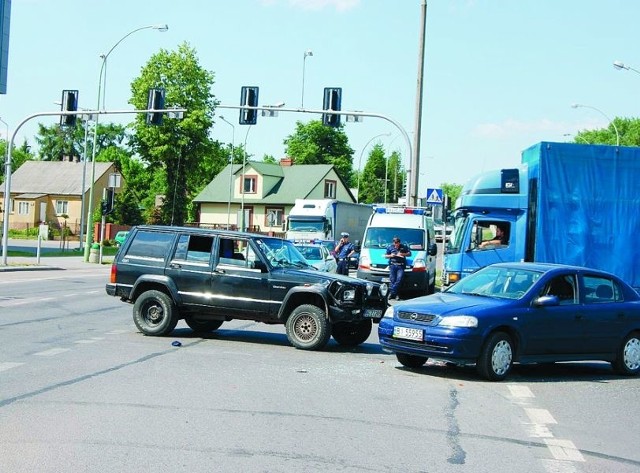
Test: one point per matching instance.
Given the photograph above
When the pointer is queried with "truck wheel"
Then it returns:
(627, 360)
(202, 326)
(496, 357)
(308, 328)
(154, 313)
(411, 361)
(351, 334)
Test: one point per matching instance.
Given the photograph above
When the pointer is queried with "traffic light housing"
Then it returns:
(248, 98)
(332, 101)
(106, 204)
(155, 102)
(69, 103)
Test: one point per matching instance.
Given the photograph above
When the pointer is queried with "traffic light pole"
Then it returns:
(400, 128)
(7, 164)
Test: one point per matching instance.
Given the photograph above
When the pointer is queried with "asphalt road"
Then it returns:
(81, 390)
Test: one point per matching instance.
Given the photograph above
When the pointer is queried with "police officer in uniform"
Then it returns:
(397, 254)
(344, 249)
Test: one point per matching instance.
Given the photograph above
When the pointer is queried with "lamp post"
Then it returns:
(578, 105)
(621, 65)
(308, 52)
(244, 165)
(233, 140)
(101, 95)
(360, 162)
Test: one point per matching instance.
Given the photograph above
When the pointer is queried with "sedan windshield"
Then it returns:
(507, 283)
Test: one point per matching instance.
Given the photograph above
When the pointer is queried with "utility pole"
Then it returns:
(413, 172)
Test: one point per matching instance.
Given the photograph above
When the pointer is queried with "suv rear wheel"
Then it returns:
(154, 313)
(308, 328)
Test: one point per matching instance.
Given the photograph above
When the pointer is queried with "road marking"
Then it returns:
(117, 332)
(52, 352)
(520, 392)
(540, 416)
(7, 365)
(556, 466)
(89, 340)
(564, 450)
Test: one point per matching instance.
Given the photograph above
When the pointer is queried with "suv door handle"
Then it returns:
(219, 271)
(175, 266)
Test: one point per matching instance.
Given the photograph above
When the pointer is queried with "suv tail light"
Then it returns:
(114, 271)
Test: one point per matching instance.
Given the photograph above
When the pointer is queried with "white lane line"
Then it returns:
(52, 352)
(564, 450)
(558, 466)
(540, 416)
(7, 365)
(520, 392)
(117, 332)
(89, 340)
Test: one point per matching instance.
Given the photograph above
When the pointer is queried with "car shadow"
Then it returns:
(260, 337)
(594, 371)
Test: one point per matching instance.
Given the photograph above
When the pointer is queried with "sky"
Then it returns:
(499, 75)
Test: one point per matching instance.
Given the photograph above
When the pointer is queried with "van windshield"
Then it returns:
(382, 237)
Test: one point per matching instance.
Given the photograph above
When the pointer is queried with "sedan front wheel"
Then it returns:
(496, 358)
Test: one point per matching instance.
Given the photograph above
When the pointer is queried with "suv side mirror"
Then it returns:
(257, 264)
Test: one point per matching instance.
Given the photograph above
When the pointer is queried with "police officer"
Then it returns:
(397, 254)
(344, 249)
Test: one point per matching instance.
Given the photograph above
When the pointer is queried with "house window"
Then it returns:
(274, 216)
(23, 208)
(250, 185)
(329, 189)
(62, 207)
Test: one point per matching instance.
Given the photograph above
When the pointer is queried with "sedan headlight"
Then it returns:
(466, 321)
(388, 313)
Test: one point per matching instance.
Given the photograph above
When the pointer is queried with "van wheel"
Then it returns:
(351, 334)
(202, 326)
(308, 328)
(154, 313)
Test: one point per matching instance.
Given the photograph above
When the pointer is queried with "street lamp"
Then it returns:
(578, 105)
(101, 96)
(233, 140)
(360, 162)
(244, 165)
(621, 65)
(308, 52)
(577, 137)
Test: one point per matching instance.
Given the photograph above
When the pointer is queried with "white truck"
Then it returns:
(325, 219)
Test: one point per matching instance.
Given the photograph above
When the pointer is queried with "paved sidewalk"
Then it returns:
(28, 263)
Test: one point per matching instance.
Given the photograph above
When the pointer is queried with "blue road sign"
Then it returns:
(434, 196)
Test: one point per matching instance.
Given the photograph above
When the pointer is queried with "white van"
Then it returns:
(416, 231)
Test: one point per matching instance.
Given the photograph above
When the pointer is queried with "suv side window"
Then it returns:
(236, 252)
(150, 245)
(194, 249)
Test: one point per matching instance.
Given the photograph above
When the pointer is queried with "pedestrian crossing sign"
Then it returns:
(434, 196)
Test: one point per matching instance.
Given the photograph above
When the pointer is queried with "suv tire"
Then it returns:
(202, 326)
(351, 334)
(154, 313)
(308, 328)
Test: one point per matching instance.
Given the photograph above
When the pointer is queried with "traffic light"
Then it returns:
(106, 205)
(248, 98)
(69, 103)
(332, 101)
(155, 102)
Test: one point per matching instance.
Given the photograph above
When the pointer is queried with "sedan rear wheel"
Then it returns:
(496, 358)
(627, 361)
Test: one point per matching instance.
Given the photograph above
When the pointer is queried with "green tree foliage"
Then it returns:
(628, 129)
(396, 177)
(179, 151)
(18, 156)
(314, 143)
(452, 191)
(372, 179)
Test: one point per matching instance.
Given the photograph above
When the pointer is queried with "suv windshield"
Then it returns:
(282, 253)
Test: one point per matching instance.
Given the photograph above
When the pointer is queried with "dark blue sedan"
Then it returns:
(519, 312)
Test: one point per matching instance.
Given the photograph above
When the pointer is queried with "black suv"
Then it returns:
(207, 277)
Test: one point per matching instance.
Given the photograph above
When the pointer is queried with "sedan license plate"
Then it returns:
(414, 334)
(373, 313)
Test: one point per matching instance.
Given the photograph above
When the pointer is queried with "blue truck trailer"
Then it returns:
(567, 203)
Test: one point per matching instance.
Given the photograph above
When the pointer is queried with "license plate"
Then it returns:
(373, 313)
(415, 334)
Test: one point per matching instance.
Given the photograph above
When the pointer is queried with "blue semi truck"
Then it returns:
(567, 203)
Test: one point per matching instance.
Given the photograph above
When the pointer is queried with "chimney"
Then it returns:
(286, 162)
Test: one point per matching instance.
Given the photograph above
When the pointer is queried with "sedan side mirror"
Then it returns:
(546, 301)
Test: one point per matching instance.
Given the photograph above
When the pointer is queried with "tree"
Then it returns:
(452, 191)
(18, 156)
(314, 143)
(397, 177)
(372, 179)
(628, 129)
(179, 151)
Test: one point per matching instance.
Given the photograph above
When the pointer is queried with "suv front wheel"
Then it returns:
(308, 328)
(154, 313)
